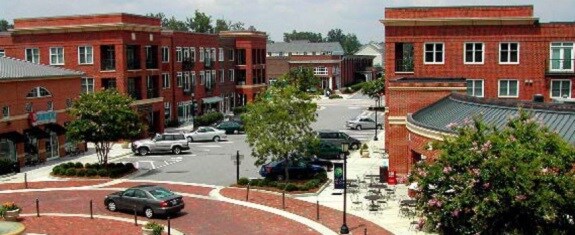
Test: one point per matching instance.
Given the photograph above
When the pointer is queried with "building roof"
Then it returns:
(457, 109)
(11, 69)
(305, 46)
(428, 79)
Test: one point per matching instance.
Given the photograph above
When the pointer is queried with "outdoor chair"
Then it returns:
(356, 202)
(374, 209)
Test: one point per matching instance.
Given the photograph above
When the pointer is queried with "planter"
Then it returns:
(365, 154)
(12, 215)
(147, 231)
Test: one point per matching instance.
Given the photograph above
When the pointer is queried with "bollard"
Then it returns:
(135, 217)
(91, 211)
(284, 200)
(248, 193)
(317, 210)
(365, 231)
(25, 180)
(169, 226)
(37, 207)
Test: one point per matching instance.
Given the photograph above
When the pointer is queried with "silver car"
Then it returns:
(359, 123)
(206, 133)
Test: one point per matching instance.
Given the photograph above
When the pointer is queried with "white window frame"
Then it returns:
(193, 54)
(186, 53)
(165, 80)
(562, 55)
(168, 107)
(222, 75)
(201, 54)
(57, 51)
(37, 93)
(473, 87)
(165, 54)
(6, 112)
(213, 54)
(2, 53)
(202, 77)
(208, 79)
(193, 77)
(186, 81)
(221, 54)
(179, 55)
(35, 55)
(88, 57)
(474, 52)
(434, 51)
(509, 51)
(232, 75)
(179, 77)
(233, 55)
(320, 70)
(561, 84)
(507, 95)
(87, 85)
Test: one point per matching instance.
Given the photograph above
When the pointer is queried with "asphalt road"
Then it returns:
(211, 163)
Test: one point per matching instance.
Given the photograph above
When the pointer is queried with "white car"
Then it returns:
(359, 123)
(206, 133)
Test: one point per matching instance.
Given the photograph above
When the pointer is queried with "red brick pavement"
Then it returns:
(52, 184)
(328, 217)
(198, 190)
(78, 226)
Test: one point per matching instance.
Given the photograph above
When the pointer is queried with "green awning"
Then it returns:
(211, 100)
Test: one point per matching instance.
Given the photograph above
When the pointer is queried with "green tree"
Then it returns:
(237, 26)
(310, 36)
(278, 123)
(170, 23)
(200, 23)
(373, 88)
(222, 25)
(335, 35)
(103, 118)
(302, 78)
(518, 179)
(348, 42)
(5, 25)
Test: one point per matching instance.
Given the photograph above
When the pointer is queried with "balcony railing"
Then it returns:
(560, 66)
(403, 65)
(108, 64)
(153, 93)
(151, 64)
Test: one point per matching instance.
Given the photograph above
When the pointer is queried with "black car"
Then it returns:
(297, 169)
(231, 127)
(150, 200)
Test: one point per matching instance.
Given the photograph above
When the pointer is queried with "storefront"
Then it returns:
(8, 145)
(185, 112)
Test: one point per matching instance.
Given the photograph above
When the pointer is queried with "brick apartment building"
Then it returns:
(172, 76)
(34, 101)
(499, 56)
(325, 58)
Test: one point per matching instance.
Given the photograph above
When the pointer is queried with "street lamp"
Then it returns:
(376, 125)
(344, 148)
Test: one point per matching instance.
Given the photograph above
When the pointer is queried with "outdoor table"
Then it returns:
(371, 176)
(409, 202)
(373, 198)
(378, 186)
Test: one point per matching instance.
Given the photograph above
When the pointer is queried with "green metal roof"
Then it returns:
(456, 108)
(11, 68)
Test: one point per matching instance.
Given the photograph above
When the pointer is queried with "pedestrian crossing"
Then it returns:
(151, 163)
(363, 135)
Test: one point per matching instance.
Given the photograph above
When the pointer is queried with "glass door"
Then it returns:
(561, 56)
(52, 147)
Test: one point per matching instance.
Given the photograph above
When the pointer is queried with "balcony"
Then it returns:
(404, 66)
(108, 64)
(187, 91)
(153, 92)
(560, 67)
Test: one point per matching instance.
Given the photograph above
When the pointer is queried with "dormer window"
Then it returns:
(38, 92)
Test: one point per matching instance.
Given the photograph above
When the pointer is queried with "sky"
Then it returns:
(360, 17)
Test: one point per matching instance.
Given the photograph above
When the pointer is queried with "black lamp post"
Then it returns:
(376, 124)
(344, 229)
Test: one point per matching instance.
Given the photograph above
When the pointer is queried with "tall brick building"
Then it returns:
(171, 75)
(488, 52)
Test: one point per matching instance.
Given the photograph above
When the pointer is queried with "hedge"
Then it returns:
(113, 170)
(208, 119)
(317, 181)
(357, 86)
(335, 96)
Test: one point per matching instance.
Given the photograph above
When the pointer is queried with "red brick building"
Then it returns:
(489, 52)
(34, 101)
(171, 75)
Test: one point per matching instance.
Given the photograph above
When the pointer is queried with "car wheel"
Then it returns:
(177, 150)
(216, 139)
(236, 131)
(280, 178)
(111, 205)
(148, 212)
(143, 151)
(358, 127)
(190, 139)
(354, 146)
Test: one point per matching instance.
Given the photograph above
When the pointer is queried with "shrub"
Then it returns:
(256, 182)
(70, 172)
(243, 181)
(87, 165)
(116, 172)
(68, 165)
(81, 172)
(240, 110)
(156, 228)
(58, 170)
(291, 187)
(6, 166)
(322, 177)
(91, 172)
(208, 119)
(357, 86)
(78, 165)
(281, 185)
(129, 166)
(335, 96)
(111, 165)
(103, 172)
(272, 183)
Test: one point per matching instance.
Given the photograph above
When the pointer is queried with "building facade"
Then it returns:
(488, 52)
(172, 76)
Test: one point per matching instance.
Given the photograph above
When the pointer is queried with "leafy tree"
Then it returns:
(302, 78)
(5, 25)
(103, 118)
(170, 23)
(373, 88)
(222, 25)
(237, 26)
(335, 35)
(351, 44)
(278, 123)
(294, 35)
(200, 23)
(516, 180)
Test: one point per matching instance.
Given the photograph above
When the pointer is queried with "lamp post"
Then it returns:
(344, 229)
(376, 125)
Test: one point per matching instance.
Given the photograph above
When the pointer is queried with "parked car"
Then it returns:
(337, 138)
(231, 127)
(326, 150)
(301, 169)
(150, 200)
(206, 133)
(166, 142)
(359, 123)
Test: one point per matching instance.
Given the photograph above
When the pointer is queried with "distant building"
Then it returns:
(373, 49)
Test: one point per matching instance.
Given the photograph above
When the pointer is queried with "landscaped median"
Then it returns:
(95, 170)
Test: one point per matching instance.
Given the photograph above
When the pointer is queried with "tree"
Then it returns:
(170, 23)
(373, 88)
(302, 78)
(348, 42)
(200, 23)
(238, 26)
(335, 35)
(103, 118)
(222, 25)
(5, 25)
(515, 180)
(278, 123)
(310, 36)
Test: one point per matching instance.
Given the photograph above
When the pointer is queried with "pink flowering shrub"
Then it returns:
(513, 180)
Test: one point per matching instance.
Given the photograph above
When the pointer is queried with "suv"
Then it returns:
(167, 142)
(337, 138)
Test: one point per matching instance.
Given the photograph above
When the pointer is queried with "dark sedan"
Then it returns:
(231, 127)
(150, 200)
(299, 169)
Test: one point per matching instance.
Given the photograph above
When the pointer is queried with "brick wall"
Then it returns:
(458, 12)
(85, 20)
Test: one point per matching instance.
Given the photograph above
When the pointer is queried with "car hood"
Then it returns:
(140, 142)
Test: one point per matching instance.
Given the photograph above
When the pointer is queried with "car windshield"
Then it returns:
(160, 193)
(345, 136)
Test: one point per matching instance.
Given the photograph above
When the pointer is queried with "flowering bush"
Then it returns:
(8, 206)
(518, 179)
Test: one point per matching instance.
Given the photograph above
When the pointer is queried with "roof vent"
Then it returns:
(538, 98)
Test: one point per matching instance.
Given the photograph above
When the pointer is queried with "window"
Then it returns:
(167, 112)
(231, 54)
(208, 79)
(87, 85)
(6, 112)
(202, 77)
(178, 54)
(179, 79)
(213, 54)
(561, 56)
(214, 79)
(56, 55)
(433, 53)
(193, 54)
(560, 88)
(186, 81)
(33, 55)
(193, 77)
(509, 53)
(165, 54)
(475, 87)
(85, 55)
(2, 53)
(509, 88)
(321, 70)
(186, 53)
(221, 54)
(473, 53)
(38, 92)
(165, 80)
(231, 75)
(222, 75)
(404, 57)
(201, 54)
(50, 105)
